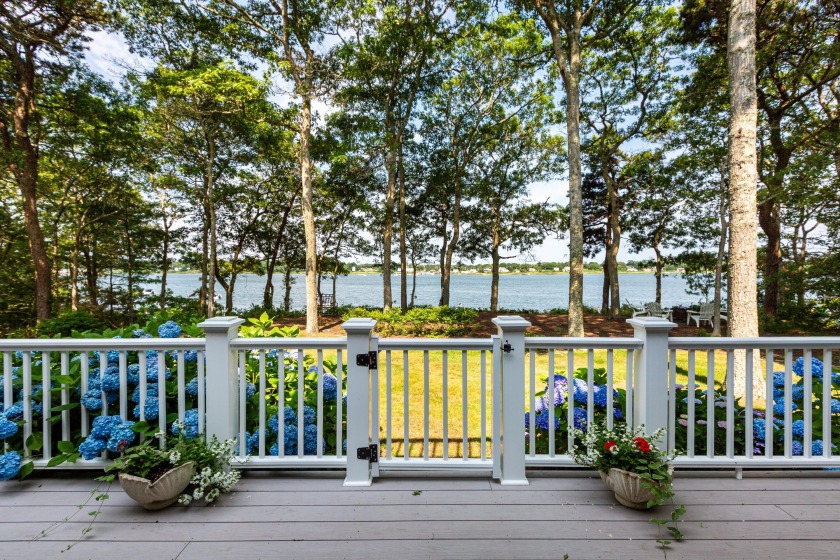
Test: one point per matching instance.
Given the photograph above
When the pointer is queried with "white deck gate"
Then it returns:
(498, 381)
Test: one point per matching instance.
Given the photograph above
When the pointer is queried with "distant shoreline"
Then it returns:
(454, 273)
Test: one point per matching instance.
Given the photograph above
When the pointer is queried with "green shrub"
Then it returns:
(419, 321)
(64, 325)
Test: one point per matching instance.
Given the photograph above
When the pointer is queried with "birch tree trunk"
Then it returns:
(308, 214)
(743, 172)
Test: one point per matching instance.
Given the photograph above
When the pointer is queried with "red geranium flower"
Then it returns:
(611, 446)
(641, 444)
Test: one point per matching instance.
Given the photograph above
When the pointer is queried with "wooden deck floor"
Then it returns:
(291, 515)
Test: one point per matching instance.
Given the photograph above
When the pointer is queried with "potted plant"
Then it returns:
(632, 466)
(184, 469)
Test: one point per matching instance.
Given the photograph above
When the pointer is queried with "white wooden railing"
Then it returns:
(502, 376)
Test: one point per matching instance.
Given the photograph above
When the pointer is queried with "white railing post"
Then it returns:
(358, 401)
(650, 394)
(221, 377)
(511, 457)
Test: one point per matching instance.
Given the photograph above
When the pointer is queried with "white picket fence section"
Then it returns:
(502, 376)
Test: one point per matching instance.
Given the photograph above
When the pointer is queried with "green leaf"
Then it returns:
(35, 442)
(66, 447)
(26, 470)
(57, 460)
(61, 407)
(140, 427)
(64, 379)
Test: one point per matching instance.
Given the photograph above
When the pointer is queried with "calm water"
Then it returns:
(539, 292)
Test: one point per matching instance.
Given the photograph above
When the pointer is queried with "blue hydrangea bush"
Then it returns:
(556, 393)
(107, 435)
(765, 432)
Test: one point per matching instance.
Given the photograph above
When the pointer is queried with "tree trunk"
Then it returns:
(612, 253)
(287, 287)
(74, 278)
(92, 277)
(769, 217)
(268, 291)
(202, 291)
(446, 273)
(25, 172)
(403, 264)
(572, 83)
(494, 279)
(743, 173)
(724, 226)
(211, 224)
(605, 289)
(308, 214)
(388, 228)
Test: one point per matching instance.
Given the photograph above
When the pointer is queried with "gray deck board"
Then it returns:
(292, 515)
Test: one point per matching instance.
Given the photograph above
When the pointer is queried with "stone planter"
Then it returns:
(628, 488)
(161, 493)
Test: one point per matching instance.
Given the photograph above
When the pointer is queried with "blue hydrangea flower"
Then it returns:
(310, 440)
(542, 421)
(9, 465)
(112, 397)
(581, 390)
(308, 415)
(796, 448)
(252, 442)
(92, 400)
(289, 417)
(122, 436)
(133, 374)
(617, 414)
(580, 419)
(798, 428)
(151, 391)
(835, 378)
(330, 387)
(797, 392)
(778, 379)
(111, 381)
(779, 407)
(139, 333)
(816, 368)
(104, 425)
(152, 372)
(600, 396)
(15, 412)
(190, 356)
(250, 389)
(835, 406)
(169, 329)
(190, 424)
(7, 427)
(290, 436)
(817, 447)
(92, 447)
(152, 409)
(113, 356)
(759, 429)
(778, 394)
(191, 388)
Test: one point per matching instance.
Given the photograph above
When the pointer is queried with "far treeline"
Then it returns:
(266, 136)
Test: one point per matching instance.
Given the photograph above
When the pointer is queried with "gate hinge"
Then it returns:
(371, 453)
(369, 360)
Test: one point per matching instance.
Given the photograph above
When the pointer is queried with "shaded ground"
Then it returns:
(543, 324)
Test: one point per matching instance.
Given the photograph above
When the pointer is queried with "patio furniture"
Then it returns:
(326, 304)
(652, 309)
(705, 314)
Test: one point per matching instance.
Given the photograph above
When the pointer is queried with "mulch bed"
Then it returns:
(543, 324)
